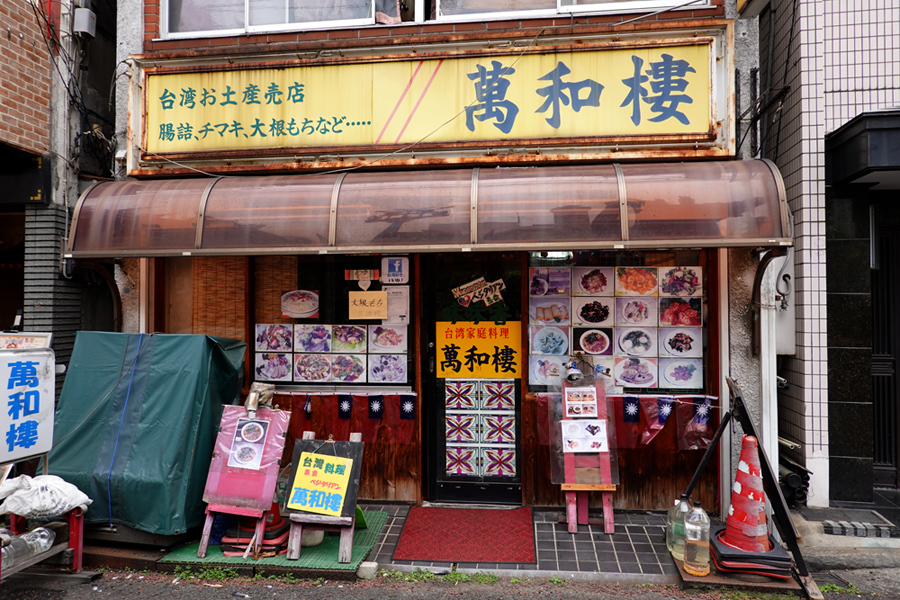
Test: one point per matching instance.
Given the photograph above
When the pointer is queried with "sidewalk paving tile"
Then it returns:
(636, 547)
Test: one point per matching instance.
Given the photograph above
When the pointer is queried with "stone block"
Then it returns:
(367, 570)
(846, 527)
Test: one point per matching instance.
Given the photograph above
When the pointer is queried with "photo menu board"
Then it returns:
(643, 325)
(340, 354)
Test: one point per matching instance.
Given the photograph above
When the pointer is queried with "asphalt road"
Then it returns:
(845, 585)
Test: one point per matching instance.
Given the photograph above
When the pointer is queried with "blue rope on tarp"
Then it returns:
(119, 432)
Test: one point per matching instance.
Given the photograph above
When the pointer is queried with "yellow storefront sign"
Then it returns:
(655, 90)
(483, 350)
(320, 484)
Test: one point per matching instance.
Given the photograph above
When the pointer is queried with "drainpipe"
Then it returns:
(764, 346)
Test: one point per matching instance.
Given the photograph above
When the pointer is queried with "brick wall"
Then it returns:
(24, 79)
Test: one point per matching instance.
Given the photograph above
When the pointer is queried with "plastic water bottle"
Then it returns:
(670, 521)
(680, 512)
(22, 547)
(669, 514)
(696, 542)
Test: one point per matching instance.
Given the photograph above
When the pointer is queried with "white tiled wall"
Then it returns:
(862, 58)
(841, 59)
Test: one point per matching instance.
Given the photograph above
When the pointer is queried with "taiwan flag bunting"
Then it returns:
(656, 411)
(695, 422)
(341, 411)
(376, 406)
(345, 406)
(628, 421)
(369, 419)
(407, 406)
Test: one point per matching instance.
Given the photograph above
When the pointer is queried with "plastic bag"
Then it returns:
(42, 497)
(9, 486)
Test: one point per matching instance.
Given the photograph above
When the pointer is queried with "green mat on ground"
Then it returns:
(323, 556)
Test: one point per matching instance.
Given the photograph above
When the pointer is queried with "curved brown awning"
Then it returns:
(684, 205)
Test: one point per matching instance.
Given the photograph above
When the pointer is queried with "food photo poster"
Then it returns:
(300, 304)
(248, 444)
(584, 436)
(581, 402)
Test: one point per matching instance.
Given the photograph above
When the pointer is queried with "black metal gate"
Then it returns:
(885, 330)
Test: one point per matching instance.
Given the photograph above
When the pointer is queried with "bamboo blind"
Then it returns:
(272, 276)
(219, 296)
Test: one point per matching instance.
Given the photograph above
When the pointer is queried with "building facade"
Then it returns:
(213, 229)
(55, 136)
(829, 82)
(26, 144)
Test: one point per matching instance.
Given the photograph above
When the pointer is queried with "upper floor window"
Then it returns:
(199, 17)
(193, 18)
(458, 10)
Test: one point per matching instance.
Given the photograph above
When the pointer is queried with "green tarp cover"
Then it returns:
(137, 421)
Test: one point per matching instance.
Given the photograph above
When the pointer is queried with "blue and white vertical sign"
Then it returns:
(28, 383)
(394, 269)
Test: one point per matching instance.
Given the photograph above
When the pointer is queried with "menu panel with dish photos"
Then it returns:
(639, 327)
(331, 353)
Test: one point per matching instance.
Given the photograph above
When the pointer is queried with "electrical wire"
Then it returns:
(92, 147)
(115, 78)
(43, 26)
(787, 60)
(659, 12)
(757, 108)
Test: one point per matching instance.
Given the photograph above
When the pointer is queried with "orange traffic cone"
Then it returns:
(746, 528)
(273, 517)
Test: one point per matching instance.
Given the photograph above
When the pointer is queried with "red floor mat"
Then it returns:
(467, 535)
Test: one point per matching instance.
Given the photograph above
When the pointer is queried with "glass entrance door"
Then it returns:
(473, 386)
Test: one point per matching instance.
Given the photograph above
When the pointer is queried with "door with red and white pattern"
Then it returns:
(472, 437)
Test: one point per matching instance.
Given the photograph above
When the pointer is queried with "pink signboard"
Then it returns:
(244, 467)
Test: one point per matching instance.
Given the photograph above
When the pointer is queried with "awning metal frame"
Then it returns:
(332, 248)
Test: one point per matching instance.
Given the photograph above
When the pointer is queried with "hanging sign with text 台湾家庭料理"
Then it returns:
(483, 350)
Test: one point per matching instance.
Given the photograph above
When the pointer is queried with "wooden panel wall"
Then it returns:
(390, 469)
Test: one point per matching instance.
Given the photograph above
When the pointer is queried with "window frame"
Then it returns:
(591, 7)
(166, 34)
(499, 15)
(617, 6)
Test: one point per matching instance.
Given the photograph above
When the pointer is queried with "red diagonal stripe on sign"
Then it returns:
(399, 100)
(416, 107)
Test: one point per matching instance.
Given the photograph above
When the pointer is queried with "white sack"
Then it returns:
(43, 497)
